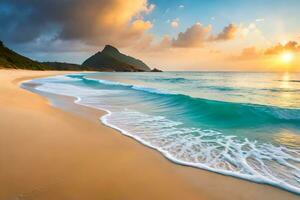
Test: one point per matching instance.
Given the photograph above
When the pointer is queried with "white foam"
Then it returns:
(205, 149)
(212, 150)
(74, 91)
(136, 87)
(53, 79)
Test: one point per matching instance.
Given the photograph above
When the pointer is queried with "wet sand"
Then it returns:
(50, 153)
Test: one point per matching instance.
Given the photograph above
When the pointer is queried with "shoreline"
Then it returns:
(104, 120)
(171, 180)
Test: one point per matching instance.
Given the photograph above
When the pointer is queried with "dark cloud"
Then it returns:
(91, 21)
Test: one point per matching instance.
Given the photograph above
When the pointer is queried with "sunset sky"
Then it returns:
(256, 35)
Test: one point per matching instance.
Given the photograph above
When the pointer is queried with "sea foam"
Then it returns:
(207, 149)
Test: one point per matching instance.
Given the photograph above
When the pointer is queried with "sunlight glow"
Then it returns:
(287, 57)
(286, 77)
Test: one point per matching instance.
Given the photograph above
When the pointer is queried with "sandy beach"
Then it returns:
(47, 153)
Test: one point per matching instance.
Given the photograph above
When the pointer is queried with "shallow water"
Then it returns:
(245, 125)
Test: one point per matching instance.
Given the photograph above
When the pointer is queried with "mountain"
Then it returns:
(11, 59)
(111, 59)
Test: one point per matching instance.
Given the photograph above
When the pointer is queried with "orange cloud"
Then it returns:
(118, 22)
(248, 53)
(93, 22)
(228, 33)
(175, 23)
(279, 48)
(194, 36)
(251, 53)
(197, 35)
(140, 25)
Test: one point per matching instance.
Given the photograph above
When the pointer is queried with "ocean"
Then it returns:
(245, 125)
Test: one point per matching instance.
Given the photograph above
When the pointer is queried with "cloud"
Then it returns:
(150, 8)
(251, 53)
(197, 35)
(95, 22)
(248, 53)
(140, 26)
(148, 44)
(228, 33)
(279, 48)
(181, 6)
(246, 30)
(260, 20)
(194, 36)
(174, 23)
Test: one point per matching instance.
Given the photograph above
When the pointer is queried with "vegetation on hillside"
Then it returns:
(11, 59)
(110, 59)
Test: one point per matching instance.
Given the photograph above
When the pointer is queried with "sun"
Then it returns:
(287, 57)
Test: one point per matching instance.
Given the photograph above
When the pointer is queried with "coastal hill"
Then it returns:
(68, 66)
(11, 59)
(110, 58)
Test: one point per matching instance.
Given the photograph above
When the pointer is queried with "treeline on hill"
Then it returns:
(68, 66)
(13, 60)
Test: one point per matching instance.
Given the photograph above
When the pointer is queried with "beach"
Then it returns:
(48, 153)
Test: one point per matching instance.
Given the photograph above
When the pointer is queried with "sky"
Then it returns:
(211, 35)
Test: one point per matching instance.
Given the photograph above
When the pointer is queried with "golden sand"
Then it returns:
(46, 153)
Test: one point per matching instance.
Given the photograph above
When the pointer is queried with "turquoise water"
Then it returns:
(245, 125)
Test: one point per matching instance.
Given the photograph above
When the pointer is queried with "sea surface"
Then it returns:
(246, 125)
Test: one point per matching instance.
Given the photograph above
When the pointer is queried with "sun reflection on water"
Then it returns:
(288, 138)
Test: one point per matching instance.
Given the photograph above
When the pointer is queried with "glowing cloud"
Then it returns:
(174, 23)
(280, 48)
(228, 33)
(96, 22)
(193, 36)
(248, 53)
(198, 34)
